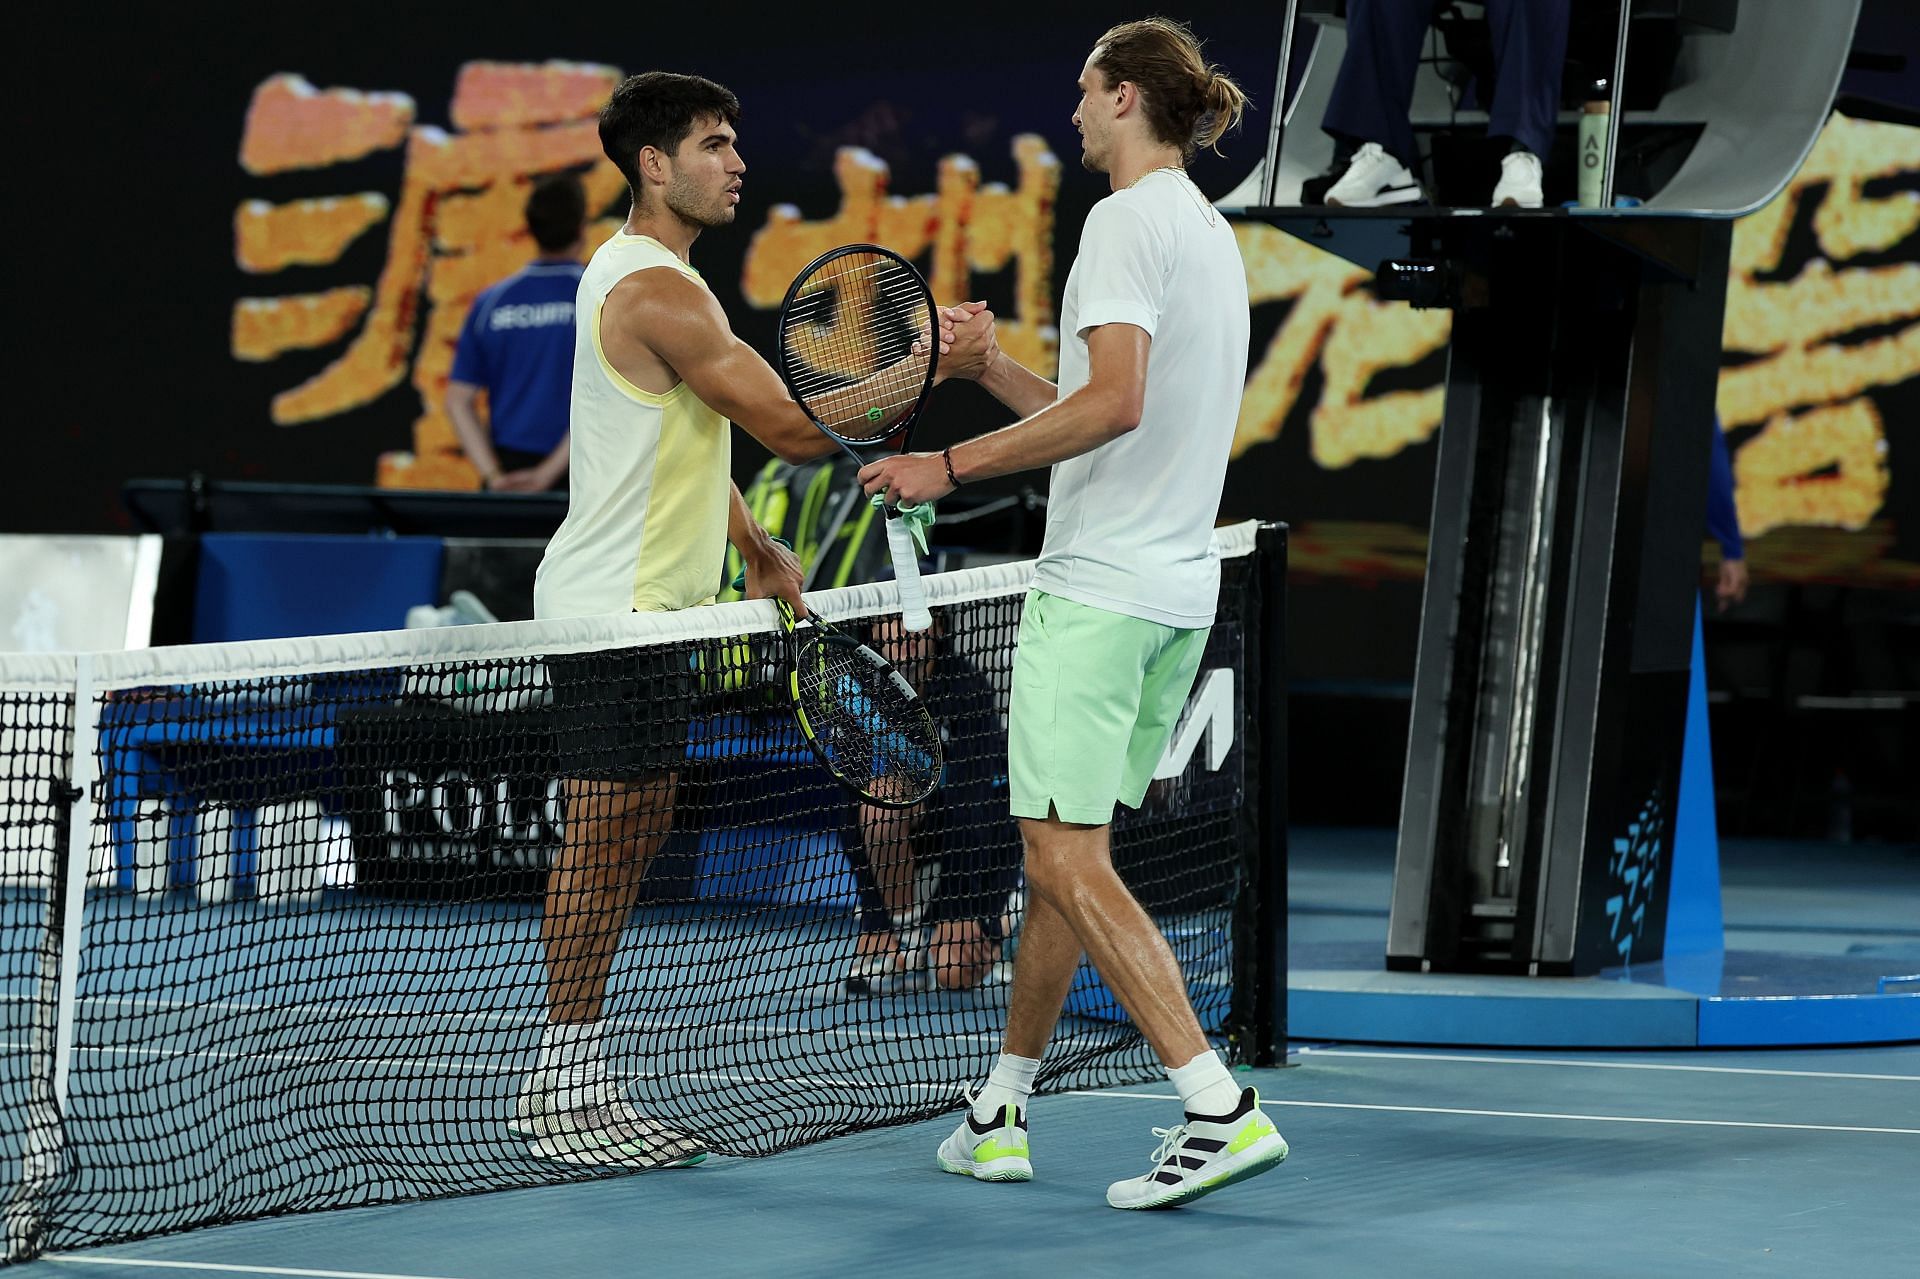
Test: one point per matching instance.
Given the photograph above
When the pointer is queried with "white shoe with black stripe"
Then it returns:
(1374, 178)
(1202, 1155)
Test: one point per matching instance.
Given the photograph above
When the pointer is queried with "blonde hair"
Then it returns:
(1190, 102)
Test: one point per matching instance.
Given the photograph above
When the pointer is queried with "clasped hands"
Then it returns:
(967, 350)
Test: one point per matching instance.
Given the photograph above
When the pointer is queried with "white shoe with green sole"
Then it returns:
(993, 1151)
(1203, 1155)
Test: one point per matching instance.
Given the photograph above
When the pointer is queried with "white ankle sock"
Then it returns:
(1011, 1081)
(1206, 1088)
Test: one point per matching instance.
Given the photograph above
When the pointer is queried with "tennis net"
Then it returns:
(274, 911)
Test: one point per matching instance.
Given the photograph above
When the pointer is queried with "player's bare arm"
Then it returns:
(772, 569)
(659, 328)
(982, 360)
(1107, 407)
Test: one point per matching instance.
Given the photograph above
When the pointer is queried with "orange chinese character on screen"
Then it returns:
(455, 228)
(1816, 342)
(966, 225)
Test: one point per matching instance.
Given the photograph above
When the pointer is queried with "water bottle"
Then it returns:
(1594, 115)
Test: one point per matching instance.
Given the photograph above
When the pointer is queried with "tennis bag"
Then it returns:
(819, 509)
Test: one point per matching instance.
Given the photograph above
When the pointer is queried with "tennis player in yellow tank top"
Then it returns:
(658, 373)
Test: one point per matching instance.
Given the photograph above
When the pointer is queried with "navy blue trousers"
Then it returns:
(1374, 91)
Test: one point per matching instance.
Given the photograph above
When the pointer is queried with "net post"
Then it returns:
(73, 895)
(1270, 886)
(50, 1041)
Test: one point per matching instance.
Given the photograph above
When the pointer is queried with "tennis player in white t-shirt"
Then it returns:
(1138, 432)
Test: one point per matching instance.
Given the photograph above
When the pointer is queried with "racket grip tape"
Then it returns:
(914, 613)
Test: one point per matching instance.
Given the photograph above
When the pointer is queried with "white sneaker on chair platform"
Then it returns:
(1519, 185)
(1374, 179)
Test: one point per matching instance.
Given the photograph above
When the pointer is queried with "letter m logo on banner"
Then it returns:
(1209, 717)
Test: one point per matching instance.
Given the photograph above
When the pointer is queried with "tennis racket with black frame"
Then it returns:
(858, 348)
(859, 714)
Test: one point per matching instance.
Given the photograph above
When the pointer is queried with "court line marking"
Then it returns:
(529, 1020)
(533, 1019)
(64, 1260)
(949, 1088)
(1525, 1114)
(1824, 930)
(1605, 1065)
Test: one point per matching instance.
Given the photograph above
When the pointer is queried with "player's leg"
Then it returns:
(1103, 696)
(571, 1108)
(1072, 746)
(1070, 869)
(1075, 901)
(1076, 691)
(991, 1143)
(623, 726)
(613, 830)
(1225, 1137)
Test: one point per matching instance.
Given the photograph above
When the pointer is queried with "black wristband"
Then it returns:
(946, 456)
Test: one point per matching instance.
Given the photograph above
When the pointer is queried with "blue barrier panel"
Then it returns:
(274, 585)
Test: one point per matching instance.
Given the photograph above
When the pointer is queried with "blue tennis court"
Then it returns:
(1430, 1160)
(1404, 1161)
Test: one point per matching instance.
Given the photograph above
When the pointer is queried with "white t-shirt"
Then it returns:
(1130, 525)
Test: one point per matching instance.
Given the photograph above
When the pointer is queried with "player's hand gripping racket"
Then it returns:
(858, 346)
(860, 716)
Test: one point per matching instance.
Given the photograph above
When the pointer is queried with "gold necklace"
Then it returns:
(1212, 214)
(1165, 168)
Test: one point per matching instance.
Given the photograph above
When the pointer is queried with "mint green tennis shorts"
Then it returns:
(1096, 697)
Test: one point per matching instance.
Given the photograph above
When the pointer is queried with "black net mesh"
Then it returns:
(332, 908)
(36, 742)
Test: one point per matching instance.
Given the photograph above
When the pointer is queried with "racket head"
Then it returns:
(859, 343)
(860, 716)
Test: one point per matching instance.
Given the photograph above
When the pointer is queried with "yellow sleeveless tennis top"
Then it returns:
(646, 524)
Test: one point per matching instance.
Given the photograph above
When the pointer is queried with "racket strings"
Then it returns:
(861, 321)
(848, 334)
(875, 733)
(820, 363)
(869, 315)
